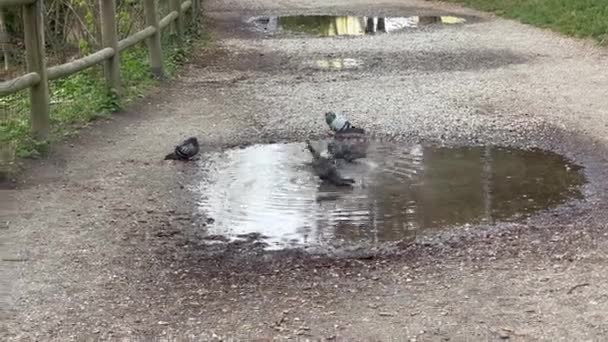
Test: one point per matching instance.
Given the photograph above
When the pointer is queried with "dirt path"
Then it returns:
(99, 239)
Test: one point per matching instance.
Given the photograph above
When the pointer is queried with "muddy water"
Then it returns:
(400, 191)
(327, 25)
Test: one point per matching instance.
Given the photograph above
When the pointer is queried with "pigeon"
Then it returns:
(326, 169)
(184, 151)
(348, 146)
(349, 142)
(338, 123)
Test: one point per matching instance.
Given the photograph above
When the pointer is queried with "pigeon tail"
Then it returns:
(171, 156)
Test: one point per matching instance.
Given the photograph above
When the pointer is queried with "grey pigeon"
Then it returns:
(338, 123)
(184, 151)
(326, 169)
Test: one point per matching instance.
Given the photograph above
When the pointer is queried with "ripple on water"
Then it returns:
(400, 191)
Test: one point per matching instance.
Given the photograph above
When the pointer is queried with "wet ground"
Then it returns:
(105, 240)
(401, 191)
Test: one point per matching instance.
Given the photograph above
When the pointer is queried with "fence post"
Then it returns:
(194, 10)
(178, 24)
(196, 14)
(109, 39)
(155, 49)
(35, 59)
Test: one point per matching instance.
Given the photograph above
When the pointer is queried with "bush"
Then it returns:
(82, 97)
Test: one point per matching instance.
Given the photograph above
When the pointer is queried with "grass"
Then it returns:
(576, 18)
(83, 97)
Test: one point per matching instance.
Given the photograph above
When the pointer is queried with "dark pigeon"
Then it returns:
(349, 142)
(326, 169)
(348, 146)
(184, 151)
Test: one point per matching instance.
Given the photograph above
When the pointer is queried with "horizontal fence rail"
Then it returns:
(136, 38)
(166, 21)
(67, 69)
(19, 83)
(39, 75)
(8, 3)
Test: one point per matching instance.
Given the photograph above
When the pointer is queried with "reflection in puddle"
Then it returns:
(400, 190)
(326, 25)
(337, 63)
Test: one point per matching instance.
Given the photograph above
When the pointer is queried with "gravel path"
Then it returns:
(99, 241)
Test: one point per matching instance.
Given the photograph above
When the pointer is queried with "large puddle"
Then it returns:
(400, 191)
(327, 25)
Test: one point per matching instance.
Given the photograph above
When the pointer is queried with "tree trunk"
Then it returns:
(381, 25)
(369, 28)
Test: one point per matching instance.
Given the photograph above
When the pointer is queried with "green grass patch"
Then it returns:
(577, 18)
(81, 98)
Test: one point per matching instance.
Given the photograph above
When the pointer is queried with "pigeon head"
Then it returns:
(330, 117)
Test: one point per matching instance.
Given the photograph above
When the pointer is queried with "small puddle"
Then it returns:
(336, 63)
(270, 191)
(327, 25)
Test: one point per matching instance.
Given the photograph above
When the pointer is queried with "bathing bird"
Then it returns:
(349, 142)
(184, 151)
(326, 168)
(348, 146)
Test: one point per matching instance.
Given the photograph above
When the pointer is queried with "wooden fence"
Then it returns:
(38, 75)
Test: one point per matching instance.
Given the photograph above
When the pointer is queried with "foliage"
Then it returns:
(578, 18)
(72, 27)
(82, 97)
